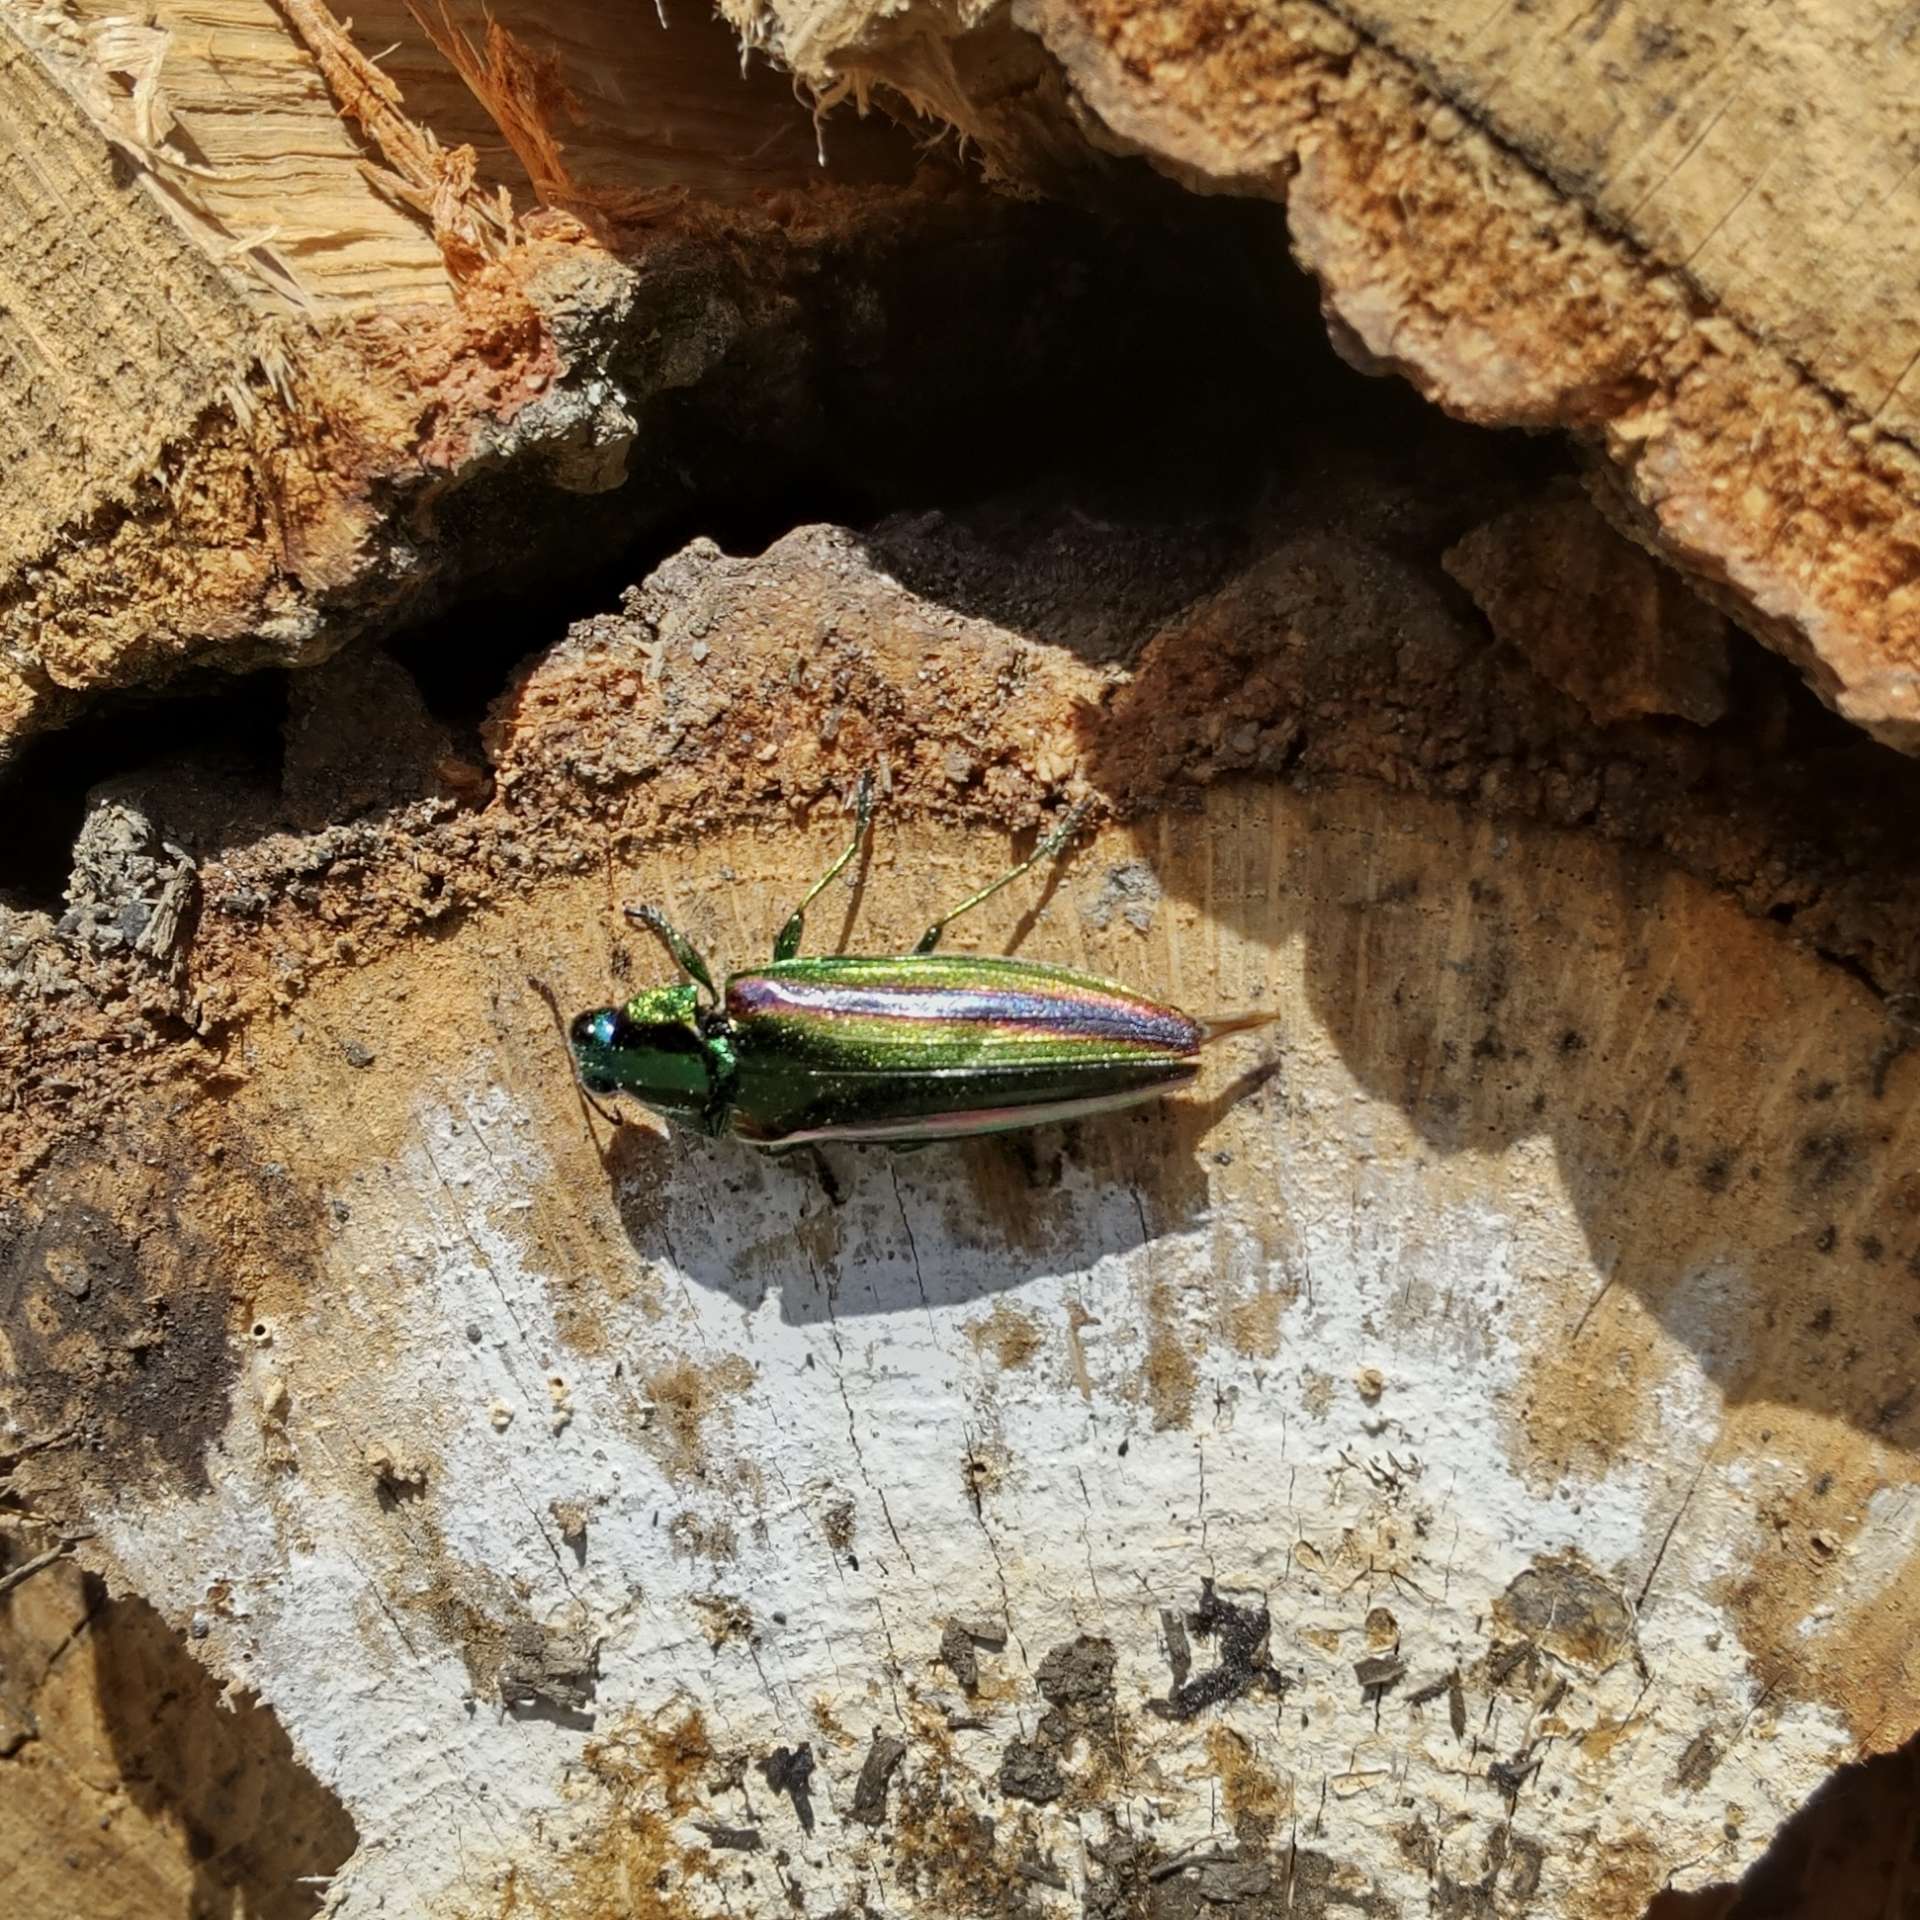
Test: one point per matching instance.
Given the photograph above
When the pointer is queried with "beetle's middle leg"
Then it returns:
(788, 943)
(1051, 847)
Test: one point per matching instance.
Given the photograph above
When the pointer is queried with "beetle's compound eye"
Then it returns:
(594, 1035)
(596, 1029)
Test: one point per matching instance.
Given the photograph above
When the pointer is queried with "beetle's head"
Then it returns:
(651, 1048)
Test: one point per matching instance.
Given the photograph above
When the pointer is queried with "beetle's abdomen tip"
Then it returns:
(1220, 1025)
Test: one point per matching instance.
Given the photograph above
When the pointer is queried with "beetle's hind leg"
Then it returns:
(686, 955)
(1051, 846)
(788, 943)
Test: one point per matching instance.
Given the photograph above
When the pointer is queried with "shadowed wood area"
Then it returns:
(134, 1784)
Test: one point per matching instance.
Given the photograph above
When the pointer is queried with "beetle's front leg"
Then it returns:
(685, 955)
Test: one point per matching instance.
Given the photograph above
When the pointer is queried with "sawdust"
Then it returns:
(701, 1537)
(1257, 1799)
(1253, 1322)
(686, 1396)
(654, 1772)
(1171, 1375)
(1010, 1336)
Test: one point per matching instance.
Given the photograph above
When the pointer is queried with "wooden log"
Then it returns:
(1470, 1445)
(1684, 278)
(302, 345)
(1680, 239)
(1459, 1460)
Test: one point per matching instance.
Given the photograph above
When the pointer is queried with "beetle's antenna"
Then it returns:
(677, 944)
(788, 943)
(579, 1086)
(1050, 847)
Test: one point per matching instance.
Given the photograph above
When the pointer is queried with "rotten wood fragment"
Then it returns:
(870, 1791)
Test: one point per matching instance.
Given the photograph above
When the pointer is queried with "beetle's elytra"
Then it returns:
(900, 1049)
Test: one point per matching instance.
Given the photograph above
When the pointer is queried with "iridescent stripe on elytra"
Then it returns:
(1073, 1014)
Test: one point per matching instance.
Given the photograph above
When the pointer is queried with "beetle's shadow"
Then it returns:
(860, 1230)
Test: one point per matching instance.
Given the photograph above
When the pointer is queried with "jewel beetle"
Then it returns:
(900, 1049)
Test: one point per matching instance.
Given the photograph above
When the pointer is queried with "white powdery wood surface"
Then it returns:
(576, 1490)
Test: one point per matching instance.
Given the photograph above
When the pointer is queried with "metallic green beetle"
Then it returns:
(900, 1049)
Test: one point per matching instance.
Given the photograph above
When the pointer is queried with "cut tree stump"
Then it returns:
(1463, 1458)
(1469, 1444)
